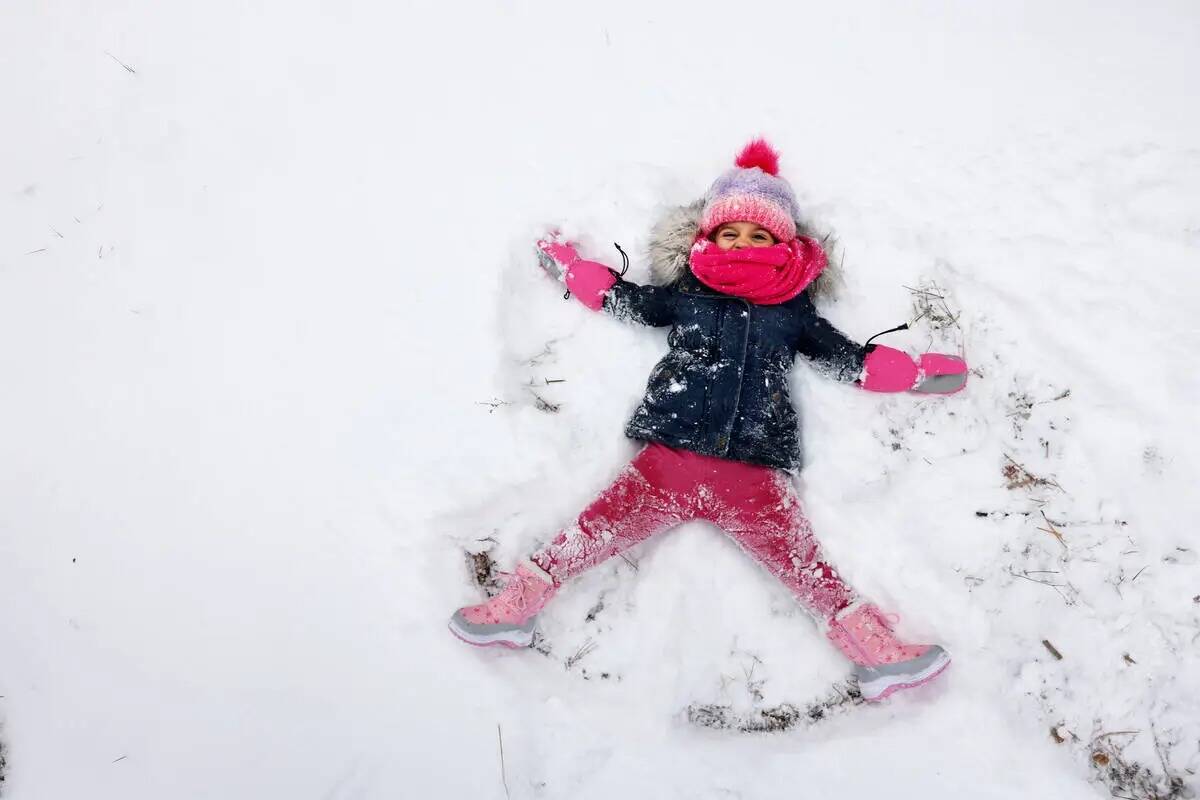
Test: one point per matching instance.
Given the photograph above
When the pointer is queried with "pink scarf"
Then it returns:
(766, 276)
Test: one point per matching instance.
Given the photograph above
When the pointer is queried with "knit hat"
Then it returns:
(752, 192)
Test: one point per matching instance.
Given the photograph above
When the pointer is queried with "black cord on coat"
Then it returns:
(868, 347)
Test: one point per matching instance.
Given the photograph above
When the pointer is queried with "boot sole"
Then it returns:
(512, 639)
(880, 688)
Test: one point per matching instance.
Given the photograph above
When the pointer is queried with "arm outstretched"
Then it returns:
(832, 352)
(599, 287)
(878, 368)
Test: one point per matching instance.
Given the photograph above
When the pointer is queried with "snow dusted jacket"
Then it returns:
(723, 388)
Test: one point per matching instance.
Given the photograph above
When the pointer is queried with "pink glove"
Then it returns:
(589, 281)
(889, 370)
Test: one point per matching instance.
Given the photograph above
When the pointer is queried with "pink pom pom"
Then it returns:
(759, 154)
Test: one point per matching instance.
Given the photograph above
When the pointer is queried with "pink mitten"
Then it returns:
(886, 369)
(940, 374)
(555, 255)
(589, 281)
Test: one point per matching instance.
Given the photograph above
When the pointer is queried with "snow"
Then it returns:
(268, 315)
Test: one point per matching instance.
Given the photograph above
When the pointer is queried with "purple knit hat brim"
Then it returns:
(748, 208)
(750, 193)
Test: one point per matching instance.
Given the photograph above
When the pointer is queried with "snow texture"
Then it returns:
(276, 356)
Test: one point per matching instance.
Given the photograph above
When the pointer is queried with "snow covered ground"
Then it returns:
(268, 322)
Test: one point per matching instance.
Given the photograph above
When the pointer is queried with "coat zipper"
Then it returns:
(737, 398)
(727, 436)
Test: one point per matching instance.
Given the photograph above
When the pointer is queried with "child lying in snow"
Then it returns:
(720, 430)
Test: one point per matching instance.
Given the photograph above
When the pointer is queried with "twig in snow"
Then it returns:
(1026, 404)
(1034, 580)
(39, 250)
(1018, 477)
(587, 647)
(542, 404)
(115, 760)
(128, 68)
(547, 350)
(924, 292)
(1137, 780)
(929, 300)
(1139, 572)
(503, 771)
(1058, 587)
(493, 404)
(1053, 650)
(1053, 531)
(1162, 759)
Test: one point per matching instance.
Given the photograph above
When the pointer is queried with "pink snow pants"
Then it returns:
(663, 487)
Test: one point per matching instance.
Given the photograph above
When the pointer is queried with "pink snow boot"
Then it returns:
(508, 618)
(882, 663)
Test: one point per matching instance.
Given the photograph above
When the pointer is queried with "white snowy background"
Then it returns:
(268, 321)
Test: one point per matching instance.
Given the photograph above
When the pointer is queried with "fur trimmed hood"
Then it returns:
(671, 245)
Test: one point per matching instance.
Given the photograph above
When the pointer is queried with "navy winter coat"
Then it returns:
(723, 388)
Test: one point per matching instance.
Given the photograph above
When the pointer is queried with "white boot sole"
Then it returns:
(513, 639)
(882, 687)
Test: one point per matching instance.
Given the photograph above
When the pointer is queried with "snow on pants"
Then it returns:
(663, 487)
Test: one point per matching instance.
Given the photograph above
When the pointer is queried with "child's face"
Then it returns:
(736, 235)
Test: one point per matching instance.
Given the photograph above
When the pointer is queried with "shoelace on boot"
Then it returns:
(886, 621)
(873, 626)
(512, 596)
(870, 634)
